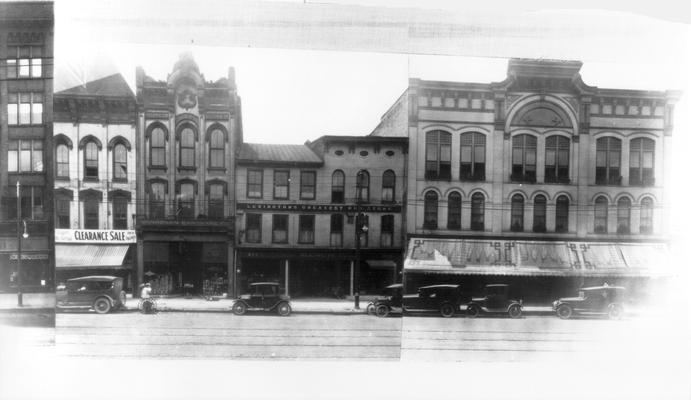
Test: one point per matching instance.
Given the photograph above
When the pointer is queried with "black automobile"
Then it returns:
(605, 300)
(496, 300)
(392, 300)
(102, 293)
(444, 299)
(263, 296)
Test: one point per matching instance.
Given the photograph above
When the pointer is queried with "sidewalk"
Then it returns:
(31, 301)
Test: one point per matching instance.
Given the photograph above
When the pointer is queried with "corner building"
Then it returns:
(188, 130)
(539, 180)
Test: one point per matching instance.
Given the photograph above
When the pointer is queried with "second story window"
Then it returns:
(336, 239)
(388, 187)
(24, 108)
(338, 187)
(255, 181)
(540, 214)
(438, 155)
(362, 187)
(253, 228)
(91, 219)
(430, 216)
(517, 213)
(557, 159)
(281, 185)
(306, 232)
(62, 211)
(524, 158)
(216, 200)
(157, 148)
(279, 233)
(25, 156)
(477, 212)
(187, 148)
(472, 156)
(308, 185)
(624, 216)
(186, 200)
(641, 162)
(601, 215)
(91, 160)
(62, 161)
(387, 230)
(120, 212)
(157, 197)
(217, 149)
(120, 162)
(608, 161)
(24, 62)
(453, 220)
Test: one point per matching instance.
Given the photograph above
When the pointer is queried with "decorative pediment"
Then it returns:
(541, 114)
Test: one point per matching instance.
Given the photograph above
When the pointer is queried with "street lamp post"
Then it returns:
(20, 222)
(360, 228)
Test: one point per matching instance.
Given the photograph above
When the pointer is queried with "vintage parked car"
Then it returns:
(263, 296)
(102, 293)
(497, 299)
(393, 299)
(592, 300)
(444, 299)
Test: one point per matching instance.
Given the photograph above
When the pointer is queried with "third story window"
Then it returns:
(338, 187)
(557, 159)
(24, 108)
(255, 181)
(362, 187)
(608, 161)
(91, 160)
(281, 184)
(388, 190)
(524, 158)
(438, 155)
(308, 182)
(120, 162)
(157, 150)
(472, 156)
(641, 162)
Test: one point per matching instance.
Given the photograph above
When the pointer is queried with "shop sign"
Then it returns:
(320, 208)
(95, 236)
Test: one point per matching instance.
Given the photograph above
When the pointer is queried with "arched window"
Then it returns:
(187, 147)
(641, 162)
(557, 159)
(388, 187)
(517, 213)
(524, 158)
(62, 158)
(472, 156)
(91, 161)
(120, 162)
(438, 155)
(646, 216)
(540, 214)
(337, 187)
(157, 148)
(362, 186)
(430, 217)
(562, 215)
(601, 214)
(453, 220)
(217, 149)
(624, 215)
(157, 200)
(477, 212)
(608, 161)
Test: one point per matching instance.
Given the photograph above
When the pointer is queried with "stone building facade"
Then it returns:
(26, 122)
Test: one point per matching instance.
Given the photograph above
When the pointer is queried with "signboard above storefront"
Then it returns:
(95, 236)
(321, 208)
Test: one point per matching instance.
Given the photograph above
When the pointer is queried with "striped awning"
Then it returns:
(90, 255)
(536, 258)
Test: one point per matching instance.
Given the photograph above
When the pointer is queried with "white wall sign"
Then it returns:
(94, 236)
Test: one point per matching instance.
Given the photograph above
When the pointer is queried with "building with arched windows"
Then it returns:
(539, 179)
(188, 133)
(94, 144)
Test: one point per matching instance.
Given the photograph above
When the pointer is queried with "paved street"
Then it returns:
(543, 338)
(225, 336)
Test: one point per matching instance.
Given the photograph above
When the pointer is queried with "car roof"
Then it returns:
(440, 287)
(603, 287)
(264, 283)
(395, 286)
(94, 278)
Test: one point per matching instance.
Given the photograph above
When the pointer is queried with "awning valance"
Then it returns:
(89, 255)
(536, 258)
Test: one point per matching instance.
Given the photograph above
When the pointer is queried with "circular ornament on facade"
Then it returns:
(364, 153)
(390, 153)
(338, 152)
(187, 99)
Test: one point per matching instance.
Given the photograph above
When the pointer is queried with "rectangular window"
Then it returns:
(119, 213)
(438, 155)
(157, 201)
(336, 230)
(24, 62)
(91, 213)
(25, 108)
(62, 212)
(306, 233)
(253, 228)
(308, 181)
(281, 185)
(361, 222)
(255, 182)
(31, 203)
(216, 201)
(386, 230)
(186, 201)
(472, 157)
(279, 232)
(25, 156)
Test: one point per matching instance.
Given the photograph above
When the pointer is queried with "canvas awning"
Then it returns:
(536, 258)
(90, 256)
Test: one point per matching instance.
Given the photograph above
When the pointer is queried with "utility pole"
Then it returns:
(20, 300)
(358, 221)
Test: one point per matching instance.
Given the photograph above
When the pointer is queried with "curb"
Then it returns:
(28, 310)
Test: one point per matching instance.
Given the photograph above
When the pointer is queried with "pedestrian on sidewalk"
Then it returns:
(147, 305)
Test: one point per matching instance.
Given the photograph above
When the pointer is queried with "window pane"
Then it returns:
(12, 114)
(25, 113)
(647, 160)
(550, 157)
(479, 154)
(466, 153)
(37, 113)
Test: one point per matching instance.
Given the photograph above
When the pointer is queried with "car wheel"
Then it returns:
(515, 311)
(564, 311)
(615, 311)
(447, 310)
(283, 309)
(382, 310)
(371, 309)
(472, 311)
(239, 308)
(102, 305)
